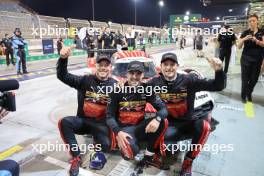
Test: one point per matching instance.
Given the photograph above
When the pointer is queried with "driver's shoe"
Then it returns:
(186, 167)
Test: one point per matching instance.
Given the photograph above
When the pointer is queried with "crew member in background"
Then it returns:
(59, 44)
(7, 44)
(100, 38)
(90, 43)
(199, 45)
(19, 44)
(108, 39)
(226, 40)
(131, 38)
(252, 57)
(119, 40)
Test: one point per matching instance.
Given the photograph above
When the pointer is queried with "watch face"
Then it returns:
(158, 118)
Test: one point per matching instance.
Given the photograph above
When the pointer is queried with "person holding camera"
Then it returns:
(252, 57)
(7, 167)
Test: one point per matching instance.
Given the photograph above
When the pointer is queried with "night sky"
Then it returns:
(122, 11)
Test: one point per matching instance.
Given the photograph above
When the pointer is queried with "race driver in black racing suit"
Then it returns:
(92, 104)
(179, 100)
(125, 116)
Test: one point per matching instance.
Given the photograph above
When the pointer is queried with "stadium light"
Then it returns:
(161, 4)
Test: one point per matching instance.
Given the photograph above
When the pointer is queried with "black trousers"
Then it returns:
(138, 134)
(69, 126)
(22, 55)
(225, 55)
(198, 130)
(9, 167)
(249, 75)
(9, 52)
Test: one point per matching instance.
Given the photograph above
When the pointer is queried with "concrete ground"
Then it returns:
(42, 100)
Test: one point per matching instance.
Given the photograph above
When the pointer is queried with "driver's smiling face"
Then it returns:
(169, 69)
(103, 69)
(134, 78)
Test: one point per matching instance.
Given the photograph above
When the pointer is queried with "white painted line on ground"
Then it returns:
(121, 169)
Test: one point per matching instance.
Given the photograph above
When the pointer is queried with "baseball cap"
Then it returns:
(135, 66)
(101, 57)
(169, 56)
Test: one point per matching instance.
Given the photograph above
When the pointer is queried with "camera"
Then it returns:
(7, 98)
(8, 101)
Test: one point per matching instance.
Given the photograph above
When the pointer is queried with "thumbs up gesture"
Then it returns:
(66, 51)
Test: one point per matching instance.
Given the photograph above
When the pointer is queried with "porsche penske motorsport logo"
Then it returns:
(96, 98)
(173, 98)
(176, 103)
(132, 106)
(95, 105)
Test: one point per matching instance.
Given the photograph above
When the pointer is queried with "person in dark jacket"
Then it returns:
(226, 40)
(252, 57)
(179, 100)
(7, 44)
(92, 102)
(19, 44)
(59, 44)
(125, 116)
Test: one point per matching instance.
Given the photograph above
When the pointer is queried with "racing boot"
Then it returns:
(153, 161)
(186, 167)
(75, 165)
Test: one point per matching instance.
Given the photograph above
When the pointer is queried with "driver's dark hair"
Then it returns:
(253, 16)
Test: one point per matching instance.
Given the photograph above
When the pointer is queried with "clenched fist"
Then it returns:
(66, 51)
(215, 63)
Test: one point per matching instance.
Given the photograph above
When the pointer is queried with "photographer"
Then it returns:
(7, 103)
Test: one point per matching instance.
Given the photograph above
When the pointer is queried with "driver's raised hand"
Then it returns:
(215, 63)
(66, 51)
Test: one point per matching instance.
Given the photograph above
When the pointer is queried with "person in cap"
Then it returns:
(91, 113)
(179, 99)
(125, 116)
(19, 44)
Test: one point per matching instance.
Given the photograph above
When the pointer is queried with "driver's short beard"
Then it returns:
(101, 78)
(171, 77)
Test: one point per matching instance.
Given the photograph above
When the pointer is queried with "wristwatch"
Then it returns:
(158, 118)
